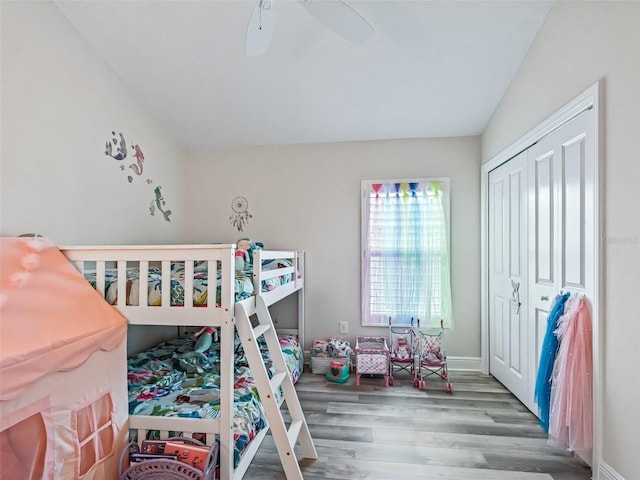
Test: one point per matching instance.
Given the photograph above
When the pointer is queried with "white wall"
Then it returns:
(308, 197)
(580, 43)
(60, 104)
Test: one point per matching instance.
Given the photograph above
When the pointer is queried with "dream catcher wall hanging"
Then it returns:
(240, 214)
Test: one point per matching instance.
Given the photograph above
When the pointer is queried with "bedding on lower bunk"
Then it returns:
(169, 380)
(243, 283)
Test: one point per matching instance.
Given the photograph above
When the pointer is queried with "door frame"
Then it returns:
(589, 99)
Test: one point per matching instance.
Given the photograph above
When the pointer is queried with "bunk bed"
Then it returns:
(207, 291)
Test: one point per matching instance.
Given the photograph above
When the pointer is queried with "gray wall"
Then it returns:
(580, 43)
(308, 197)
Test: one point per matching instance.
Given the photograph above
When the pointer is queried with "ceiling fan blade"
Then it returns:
(339, 17)
(260, 29)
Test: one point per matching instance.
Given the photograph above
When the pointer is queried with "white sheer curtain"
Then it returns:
(406, 271)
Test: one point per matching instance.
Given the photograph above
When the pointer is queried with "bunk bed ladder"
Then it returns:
(283, 437)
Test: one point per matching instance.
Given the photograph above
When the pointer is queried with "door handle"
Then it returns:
(544, 298)
(515, 295)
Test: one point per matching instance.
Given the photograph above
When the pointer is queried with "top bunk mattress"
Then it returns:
(243, 283)
(50, 317)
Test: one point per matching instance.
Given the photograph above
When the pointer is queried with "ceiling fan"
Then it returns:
(336, 15)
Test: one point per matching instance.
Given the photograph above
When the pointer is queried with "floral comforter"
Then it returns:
(243, 284)
(163, 383)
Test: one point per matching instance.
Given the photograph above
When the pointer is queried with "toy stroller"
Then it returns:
(432, 357)
(402, 349)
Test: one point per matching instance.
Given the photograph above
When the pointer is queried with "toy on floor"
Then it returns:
(372, 357)
(432, 358)
(338, 372)
(403, 349)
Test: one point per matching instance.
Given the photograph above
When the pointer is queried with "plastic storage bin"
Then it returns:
(320, 365)
(167, 469)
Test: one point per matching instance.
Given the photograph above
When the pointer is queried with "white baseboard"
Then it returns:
(605, 472)
(463, 363)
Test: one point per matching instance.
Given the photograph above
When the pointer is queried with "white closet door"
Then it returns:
(508, 276)
(541, 238)
(561, 223)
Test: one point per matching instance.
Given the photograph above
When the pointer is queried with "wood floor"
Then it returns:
(481, 432)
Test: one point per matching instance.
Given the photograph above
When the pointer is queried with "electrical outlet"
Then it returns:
(344, 327)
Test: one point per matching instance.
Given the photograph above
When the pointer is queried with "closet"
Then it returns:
(541, 238)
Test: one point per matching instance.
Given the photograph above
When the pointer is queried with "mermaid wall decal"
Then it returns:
(159, 203)
(116, 148)
(137, 152)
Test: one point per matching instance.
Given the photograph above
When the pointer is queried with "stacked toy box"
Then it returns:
(325, 351)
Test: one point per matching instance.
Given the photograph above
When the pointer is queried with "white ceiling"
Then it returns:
(431, 68)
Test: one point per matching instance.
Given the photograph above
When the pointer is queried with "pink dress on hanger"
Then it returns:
(570, 420)
(558, 431)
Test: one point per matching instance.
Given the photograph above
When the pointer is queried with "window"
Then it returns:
(405, 269)
(24, 445)
(94, 427)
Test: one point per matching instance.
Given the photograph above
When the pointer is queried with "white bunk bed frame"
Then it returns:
(220, 258)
